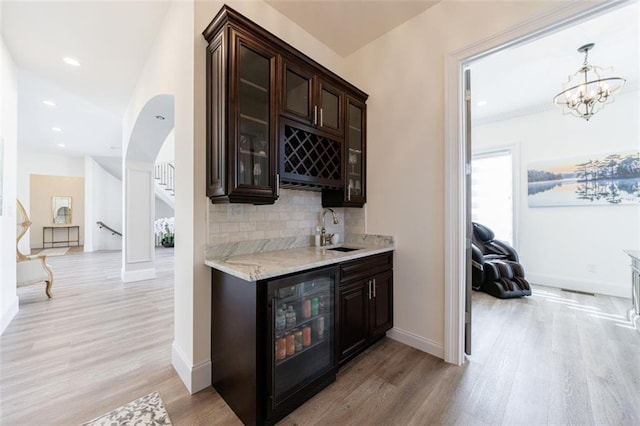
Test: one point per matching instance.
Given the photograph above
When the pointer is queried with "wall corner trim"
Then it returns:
(421, 343)
(9, 314)
(140, 275)
(195, 377)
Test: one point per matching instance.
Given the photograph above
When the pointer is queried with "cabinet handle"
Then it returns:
(315, 115)
(349, 193)
(369, 284)
(278, 184)
(374, 288)
(321, 119)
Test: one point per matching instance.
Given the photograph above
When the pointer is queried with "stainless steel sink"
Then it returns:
(343, 249)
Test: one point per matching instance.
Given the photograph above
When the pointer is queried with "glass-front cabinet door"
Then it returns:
(330, 104)
(254, 153)
(301, 333)
(297, 102)
(355, 155)
(354, 164)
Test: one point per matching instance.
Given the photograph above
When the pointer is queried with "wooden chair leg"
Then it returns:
(49, 281)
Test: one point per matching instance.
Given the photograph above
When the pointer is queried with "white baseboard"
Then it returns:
(140, 275)
(195, 378)
(421, 343)
(598, 287)
(8, 315)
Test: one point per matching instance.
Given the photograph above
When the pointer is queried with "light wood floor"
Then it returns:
(553, 358)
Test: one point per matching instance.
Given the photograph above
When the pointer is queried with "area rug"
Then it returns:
(60, 251)
(146, 411)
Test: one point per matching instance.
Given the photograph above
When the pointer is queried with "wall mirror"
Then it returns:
(61, 210)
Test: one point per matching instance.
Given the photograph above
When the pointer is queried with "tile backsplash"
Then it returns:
(295, 214)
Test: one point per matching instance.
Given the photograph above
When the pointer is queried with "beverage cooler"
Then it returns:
(302, 358)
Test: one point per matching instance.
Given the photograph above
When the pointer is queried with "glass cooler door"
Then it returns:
(301, 333)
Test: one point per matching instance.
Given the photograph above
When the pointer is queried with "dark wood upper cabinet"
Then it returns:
(309, 99)
(267, 103)
(253, 130)
(297, 92)
(330, 108)
(241, 118)
(353, 190)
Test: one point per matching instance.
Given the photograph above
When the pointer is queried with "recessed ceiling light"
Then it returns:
(49, 103)
(71, 61)
(481, 103)
(160, 117)
(61, 145)
(56, 129)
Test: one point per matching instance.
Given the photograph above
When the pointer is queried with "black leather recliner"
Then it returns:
(495, 266)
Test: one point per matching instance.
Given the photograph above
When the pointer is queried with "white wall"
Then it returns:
(8, 146)
(39, 163)
(103, 202)
(403, 72)
(163, 209)
(167, 150)
(169, 70)
(578, 247)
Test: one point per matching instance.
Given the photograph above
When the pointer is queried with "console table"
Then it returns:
(634, 312)
(60, 236)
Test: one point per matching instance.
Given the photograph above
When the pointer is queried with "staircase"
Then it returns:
(165, 181)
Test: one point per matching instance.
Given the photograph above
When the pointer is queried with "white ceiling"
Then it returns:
(111, 39)
(525, 78)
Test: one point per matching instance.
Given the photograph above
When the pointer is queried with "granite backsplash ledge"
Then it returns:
(369, 239)
(226, 250)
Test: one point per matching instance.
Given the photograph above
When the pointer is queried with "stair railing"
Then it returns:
(165, 175)
(113, 231)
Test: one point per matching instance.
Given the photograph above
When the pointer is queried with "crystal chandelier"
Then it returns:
(589, 89)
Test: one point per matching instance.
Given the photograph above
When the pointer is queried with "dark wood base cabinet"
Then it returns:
(365, 304)
(276, 343)
(272, 342)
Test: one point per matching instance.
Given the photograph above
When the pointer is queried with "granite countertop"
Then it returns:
(259, 260)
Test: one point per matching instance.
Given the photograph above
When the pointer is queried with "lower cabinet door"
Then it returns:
(353, 318)
(381, 306)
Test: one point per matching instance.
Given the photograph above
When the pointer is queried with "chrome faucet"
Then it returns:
(324, 238)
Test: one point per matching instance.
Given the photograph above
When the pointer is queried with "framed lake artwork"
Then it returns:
(595, 180)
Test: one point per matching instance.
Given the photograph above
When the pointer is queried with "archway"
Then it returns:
(155, 121)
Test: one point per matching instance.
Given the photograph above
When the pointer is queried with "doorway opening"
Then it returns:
(458, 165)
